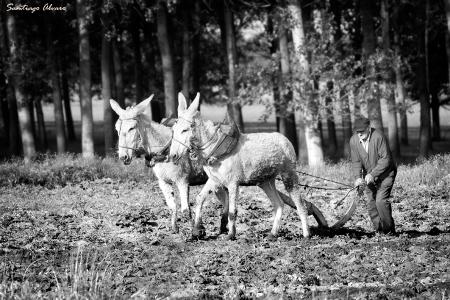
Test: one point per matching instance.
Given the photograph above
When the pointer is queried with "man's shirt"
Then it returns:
(376, 159)
(365, 143)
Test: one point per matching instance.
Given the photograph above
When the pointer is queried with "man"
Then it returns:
(373, 166)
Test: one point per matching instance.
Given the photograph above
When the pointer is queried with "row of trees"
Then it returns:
(318, 59)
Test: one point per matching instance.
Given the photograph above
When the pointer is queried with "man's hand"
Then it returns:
(369, 179)
(359, 182)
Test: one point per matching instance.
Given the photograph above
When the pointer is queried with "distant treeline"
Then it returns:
(318, 58)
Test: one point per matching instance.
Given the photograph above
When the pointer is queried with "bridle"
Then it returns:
(136, 133)
(193, 147)
(140, 139)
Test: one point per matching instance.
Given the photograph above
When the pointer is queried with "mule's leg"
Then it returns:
(168, 193)
(209, 187)
(271, 192)
(183, 189)
(233, 192)
(312, 210)
(289, 181)
(222, 195)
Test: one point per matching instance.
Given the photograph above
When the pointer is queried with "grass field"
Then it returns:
(76, 228)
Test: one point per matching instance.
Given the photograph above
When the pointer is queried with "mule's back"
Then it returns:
(257, 158)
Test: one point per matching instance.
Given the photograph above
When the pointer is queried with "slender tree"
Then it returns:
(87, 122)
(186, 80)
(312, 133)
(389, 81)
(14, 139)
(331, 126)
(400, 90)
(57, 99)
(137, 54)
(25, 120)
(106, 93)
(196, 33)
(367, 9)
(286, 118)
(234, 108)
(424, 137)
(340, 91)
(118, 72)
(67, 109)
(447, 35)
(4, 118)
(165, 47)
(41, 132)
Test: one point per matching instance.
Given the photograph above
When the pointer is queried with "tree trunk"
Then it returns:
(344, 107)
(447, 35)
(275, 78)
(87, 122)
(286, 119)
(15, 143)
(57, 100)
(401, 99)
(106, 94)
(331, 126)
(311, 112)
(118, 72)
(136, 38)
(67, 109)
(392, 109)
(4, 131)
(41, 133)
(400, 92)
(424, 137)
(3, 82)
(25, 123)
(30, 107)
(165, 47)
(196, 34)
(435, 116)
(234, 108)
(367, 8)
(151, 56)
(3, 109)
(187, 49)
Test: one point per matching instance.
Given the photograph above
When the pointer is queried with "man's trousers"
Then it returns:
(378, 205)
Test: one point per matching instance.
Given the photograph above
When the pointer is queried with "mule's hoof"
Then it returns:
(175, 229)
(271, 237)
(229, 237)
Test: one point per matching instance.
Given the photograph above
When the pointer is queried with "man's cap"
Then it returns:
(361, 124)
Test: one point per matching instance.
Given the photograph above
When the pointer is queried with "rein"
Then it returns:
(193, 147)
(164, 147)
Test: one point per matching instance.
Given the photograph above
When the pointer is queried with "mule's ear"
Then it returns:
(141, 107)
(181, 103)
(195, 103)
(116, 107)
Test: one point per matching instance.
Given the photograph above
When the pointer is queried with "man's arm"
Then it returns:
(356, 161)
(384, 157)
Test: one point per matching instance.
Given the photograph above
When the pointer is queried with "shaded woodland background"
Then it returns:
(314, 64)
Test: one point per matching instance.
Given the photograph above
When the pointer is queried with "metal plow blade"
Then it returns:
(347, 216)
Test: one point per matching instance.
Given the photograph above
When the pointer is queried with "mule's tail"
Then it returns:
(312, 210)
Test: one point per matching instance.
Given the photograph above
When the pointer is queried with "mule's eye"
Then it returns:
(132, 128)
(184, 130)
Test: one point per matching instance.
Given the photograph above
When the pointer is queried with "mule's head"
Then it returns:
(183, 130)
(127, 128)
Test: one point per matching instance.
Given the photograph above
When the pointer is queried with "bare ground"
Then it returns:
(111, 239)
